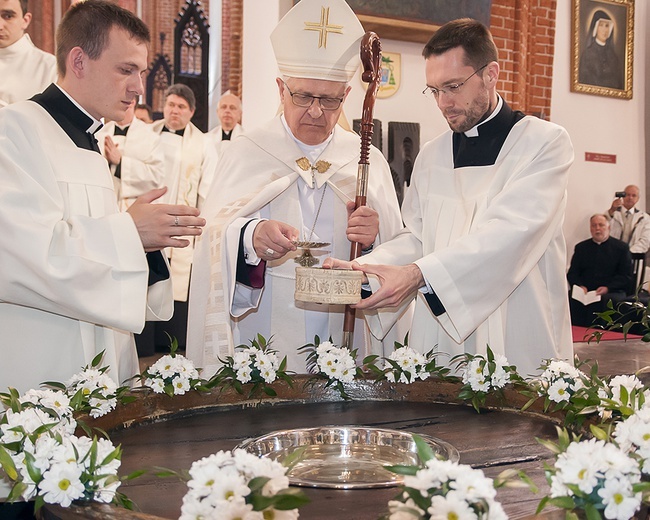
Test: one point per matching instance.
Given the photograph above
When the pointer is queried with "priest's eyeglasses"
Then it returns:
(305, 100)
(449, 90)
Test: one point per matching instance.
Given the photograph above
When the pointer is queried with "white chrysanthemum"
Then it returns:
(181, 385)
(61, 484)
(407, 510)
(620, 501)
(166, 366)
(450, 507)
(324, 348)
(268, 374)
(276, 514)
(244, 375)
(101, 407)
(557, 391)
(241, 360)
(28, 420)
(633, 435)
(157, 385)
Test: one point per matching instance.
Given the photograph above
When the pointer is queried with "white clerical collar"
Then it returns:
(473, 132)
(17, 48)
(95, 125)
(312, 152)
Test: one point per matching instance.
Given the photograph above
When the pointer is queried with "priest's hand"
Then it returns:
(335, 263)
(112, 151)
(273, 239)
(398, 282)
(363, 225)
(161, 225)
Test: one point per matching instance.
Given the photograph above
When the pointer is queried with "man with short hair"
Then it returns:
(24, 69)
(229, 112)
(628, 223)
(135, 155)
(190, 160)
(144, 113)
(291, 179)
(483, 252)
(601, 264)
(76, 280)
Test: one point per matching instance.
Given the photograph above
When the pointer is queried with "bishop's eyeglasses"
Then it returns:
(452, 89)
(305, 100)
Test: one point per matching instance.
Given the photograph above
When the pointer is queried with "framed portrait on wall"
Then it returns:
(603, 47)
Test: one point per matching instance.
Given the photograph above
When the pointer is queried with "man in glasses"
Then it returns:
(483, 251)
(293, 179)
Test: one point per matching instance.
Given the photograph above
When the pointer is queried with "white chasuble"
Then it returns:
(489, 241)
(74, 274)
(258, 176)
(142, 166)
(25, 70)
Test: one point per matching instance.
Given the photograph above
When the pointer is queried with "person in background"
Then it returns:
(25, 70)
(144, 113)
(628, 223)
(229, 114)
(190, 160)
(482, 253)
(294, 178)
(135, 155)
(601, 264)
(79, 276)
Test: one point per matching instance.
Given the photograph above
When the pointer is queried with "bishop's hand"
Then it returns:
(273, 239)
(112, 151)
(363, 225)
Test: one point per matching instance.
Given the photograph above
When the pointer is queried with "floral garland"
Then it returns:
(47, 462)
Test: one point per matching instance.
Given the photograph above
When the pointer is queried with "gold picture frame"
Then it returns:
(603, 69)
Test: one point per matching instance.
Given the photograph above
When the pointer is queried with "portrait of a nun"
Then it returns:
(599, 62)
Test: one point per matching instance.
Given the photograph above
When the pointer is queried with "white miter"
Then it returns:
(336, 286)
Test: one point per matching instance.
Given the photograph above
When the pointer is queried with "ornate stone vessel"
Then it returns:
(337, 286)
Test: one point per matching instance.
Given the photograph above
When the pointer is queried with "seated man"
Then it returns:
(602, 264)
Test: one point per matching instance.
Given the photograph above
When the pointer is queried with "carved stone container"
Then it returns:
(337, 286)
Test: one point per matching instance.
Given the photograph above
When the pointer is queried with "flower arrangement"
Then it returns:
(240, 485)
(594, 476)
(484, 375)
(172, 374)
(406, 365)
(45, 461)
(444, 489)
(337, 364)
(633, 437)
(257, 364)
(621, 397)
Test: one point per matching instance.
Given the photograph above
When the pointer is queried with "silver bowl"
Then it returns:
(345, 457)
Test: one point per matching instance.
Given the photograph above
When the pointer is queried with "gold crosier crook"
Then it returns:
(371, 60)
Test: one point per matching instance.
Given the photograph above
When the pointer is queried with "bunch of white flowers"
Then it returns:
(595, 475)
(560, 381)
(96, 389)
(254, 361)
(239, 485)
(45, 461)
(623, 394)
(633, 436)
(485, 375)
(335, 362)
(406, 365)
(444, 489)
(172, 374)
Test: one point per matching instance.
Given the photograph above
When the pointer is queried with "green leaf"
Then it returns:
(288, 499)
(7, 464)
(97, 360)
(592, 513)
(401, 469)
(425, 452)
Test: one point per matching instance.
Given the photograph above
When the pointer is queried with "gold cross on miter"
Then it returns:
(324, 27)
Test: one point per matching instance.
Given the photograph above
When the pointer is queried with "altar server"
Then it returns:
(24, 69)
(293, 178)
(483, 251)
(75, 276)
(135, 155)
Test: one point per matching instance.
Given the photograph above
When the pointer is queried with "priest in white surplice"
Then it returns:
(25, 69)
(483, 249)
(75, 279)
(293, 178)
(229, 113)
(135, 155)
(190, 160)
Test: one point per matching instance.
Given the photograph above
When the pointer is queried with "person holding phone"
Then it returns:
(627, 222)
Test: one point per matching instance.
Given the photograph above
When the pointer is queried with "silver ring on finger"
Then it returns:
(176, 220)
(269, 251)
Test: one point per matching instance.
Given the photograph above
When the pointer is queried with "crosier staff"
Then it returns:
(371, 59)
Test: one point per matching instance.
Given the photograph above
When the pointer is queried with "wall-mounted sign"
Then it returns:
(391, 74)
(600, 157)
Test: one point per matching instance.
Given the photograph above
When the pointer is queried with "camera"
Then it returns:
(619, 194)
